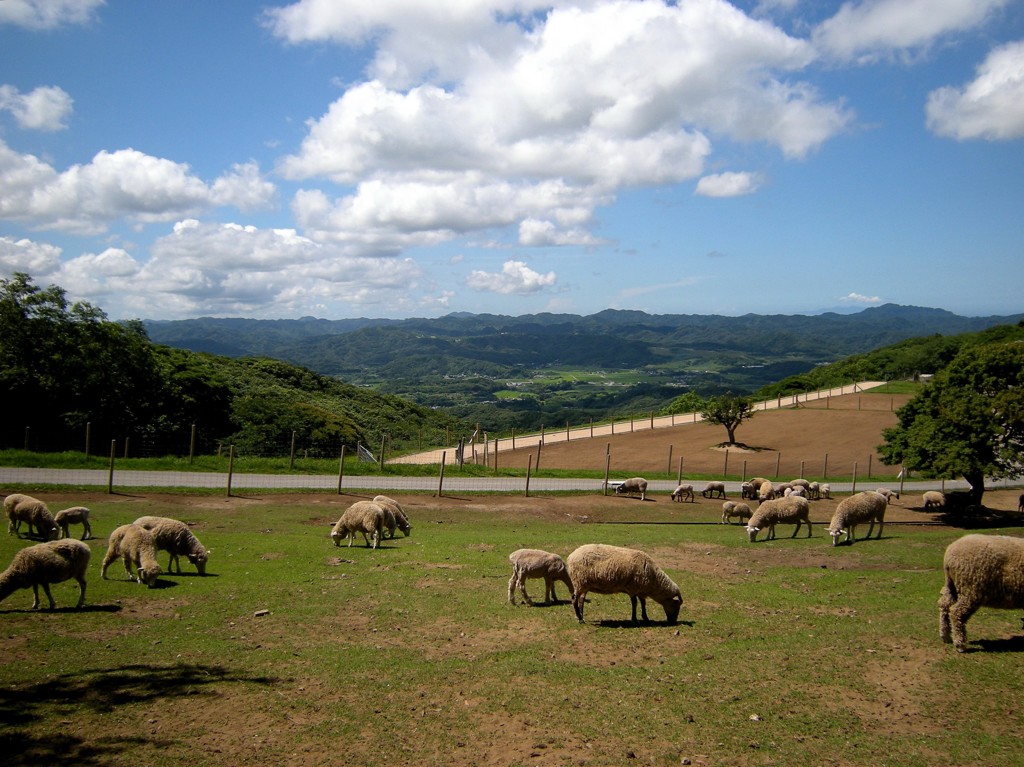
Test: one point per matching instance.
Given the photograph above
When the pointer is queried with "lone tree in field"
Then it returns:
(968, 422)
(728, 411)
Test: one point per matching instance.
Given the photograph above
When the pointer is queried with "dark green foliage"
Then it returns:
(728, 411)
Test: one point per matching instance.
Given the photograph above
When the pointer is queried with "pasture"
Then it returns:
(293, 651)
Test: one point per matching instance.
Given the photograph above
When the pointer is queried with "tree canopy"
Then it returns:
(728, 411)
(969, 421)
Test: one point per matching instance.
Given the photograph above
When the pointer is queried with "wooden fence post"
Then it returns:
(110, 475)
(529, 469)
(231, 466)
(341, 468)
(440, 478)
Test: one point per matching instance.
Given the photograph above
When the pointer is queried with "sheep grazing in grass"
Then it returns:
(176, 539)
(135, 545)
(933, 499)
(633, 486)
(756, 482)
(401, 519)
(732, 509)
(683, 493)
(24, 508)
(798, 491)
(534, 563)
(857, 509)
(765, 492)
(714, 490)
(787, 511)
(825, 491)
(602, 569)
(888, 494)
(76, 515)
(814, 491)
(364, 517)
(748, 492)
(981, 571)
(46, 563)
(805, 484)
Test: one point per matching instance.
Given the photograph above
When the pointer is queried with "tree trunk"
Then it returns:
(731, 431)
(976, 479)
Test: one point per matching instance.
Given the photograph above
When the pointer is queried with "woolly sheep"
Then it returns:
(748, 491)
(739, 510)
(814, 491)
(632, 486)
(714, 490)
(781, 488)
(888, 494)
(46, 563)
(798, 491)
(76, 515)
(401, 519)
(765, 492)
(826, 491)
(981, 571)
(175, 538)
(682, 493)
(862, 507)
(933, 498)
(756, 482)
(606, 569)
(135, 545)
(805, 484)
(780, 510)
(364, 517)
(534, 563)
(24, 508)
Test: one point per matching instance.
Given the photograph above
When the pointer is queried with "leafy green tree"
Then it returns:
(691, 402)
(969, 421)
(728, 411)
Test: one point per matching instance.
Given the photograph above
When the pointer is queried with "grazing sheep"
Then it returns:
(714, 490)
(748, 492)
(981, 571)
(740, 510)
(826, 491)
(805, 484)
(76, 515)
(888, 494)
(534, 563)
(135, 545)
(175, 538)
(862, 507)
(364, 517)
(798, 491)
(632, 486)
(682, 493)
(933, 498)
(765, 492)
(46, 563)
(756, 482)
(814, 491)
(24, 508)
(781, 488)
(786, 511)
(401, 519)
(615, 570)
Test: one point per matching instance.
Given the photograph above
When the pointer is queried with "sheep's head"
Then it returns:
(835, 535)
(752, 533)
(199, 560)
(672, 607)
(149, 575)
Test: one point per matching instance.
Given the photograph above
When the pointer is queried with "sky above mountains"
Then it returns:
(396, 158)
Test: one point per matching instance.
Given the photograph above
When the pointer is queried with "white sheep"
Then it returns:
(756, 482)
(748, 492)
(981, 571)
(765, 492)
(825, 491)
(135, 545)
(401, 519)
(603, 569)
(24, 508)
(75, 515)
(863, 507)
(888, 494)
(46, 563)
(814, 491)
(632, 486)
(176, 539)
(535, 563)
(739, 510)
(714, 490)
(781, 488)
(682, 493)
(933, 498)
(364, 517)
(786, 511)
(801, 482)
(797, 490)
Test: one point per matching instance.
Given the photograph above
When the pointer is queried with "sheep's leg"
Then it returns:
(578, 598)
(643, 609)
(632, 601)
(946, 600)
(49, 596)
(86, 530)
(81, 586)
(881, 523)
(796, 529)
(808, 528)
(549, 591)
(126, 558)
(106, 563)
(512, 588)
(959, 614)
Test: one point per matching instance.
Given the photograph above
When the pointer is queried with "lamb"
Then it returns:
(24, 508)
(798, 491)
(46, 563)
(682, 493)
(175, 538)
(401, 520)
(933, 498)
(814, 491)
(780, 510)
(862, 507)
(888, 494)
(825, 491)
(76, 515)
(714, 490)
(633, 485)
(981, 571)
(731, 509)
(364, 517)
(534, 563)
(606, 569)
(135, 545)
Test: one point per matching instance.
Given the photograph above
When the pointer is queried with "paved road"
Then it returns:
(452, 484)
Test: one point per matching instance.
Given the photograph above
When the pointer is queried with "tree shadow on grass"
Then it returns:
(23, 707)
(1009, 644)
(980, 518)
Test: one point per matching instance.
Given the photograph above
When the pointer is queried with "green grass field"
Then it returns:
(292, 651)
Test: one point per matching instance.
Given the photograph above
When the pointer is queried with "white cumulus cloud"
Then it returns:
(515, 278)
(728, 184)
(24, 255)
(989, 107)
(48, 14)
(46, 108)
(857, 298)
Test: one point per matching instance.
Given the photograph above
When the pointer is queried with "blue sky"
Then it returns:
(394, 158)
